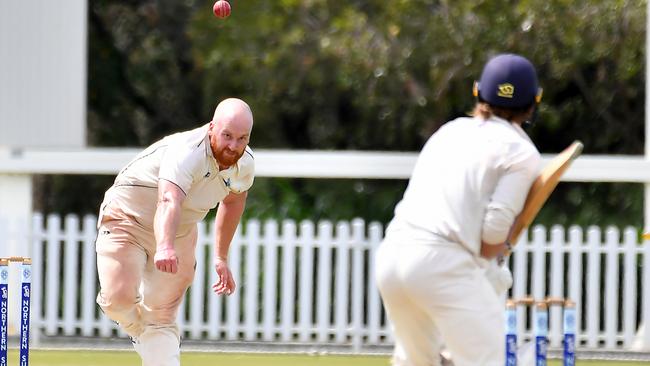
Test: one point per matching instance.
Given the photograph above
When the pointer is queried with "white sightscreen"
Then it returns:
(43, 73)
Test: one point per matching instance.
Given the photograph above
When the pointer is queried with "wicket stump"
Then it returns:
(540, 329)
(26, 280)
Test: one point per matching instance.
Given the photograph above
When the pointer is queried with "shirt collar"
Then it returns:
(515, 126)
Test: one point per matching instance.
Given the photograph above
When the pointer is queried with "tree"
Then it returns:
(369, 75)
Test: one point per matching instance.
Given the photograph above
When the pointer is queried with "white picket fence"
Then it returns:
(312, 283)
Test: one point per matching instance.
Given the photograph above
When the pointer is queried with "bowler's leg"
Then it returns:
(159, 344)
(120, 264)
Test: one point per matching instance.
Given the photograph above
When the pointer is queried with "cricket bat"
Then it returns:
(542, 188)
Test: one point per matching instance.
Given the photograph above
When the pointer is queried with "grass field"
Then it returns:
(112, 358)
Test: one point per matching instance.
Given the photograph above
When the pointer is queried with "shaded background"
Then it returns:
(361, 75)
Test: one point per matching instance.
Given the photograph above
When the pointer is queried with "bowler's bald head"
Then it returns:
(233, 112)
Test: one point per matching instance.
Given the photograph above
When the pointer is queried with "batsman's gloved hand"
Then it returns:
(499, 277)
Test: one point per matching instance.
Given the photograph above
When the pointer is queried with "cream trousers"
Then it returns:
(133, 292)
(435, 294)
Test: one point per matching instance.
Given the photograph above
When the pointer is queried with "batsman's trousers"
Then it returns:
(435, 294)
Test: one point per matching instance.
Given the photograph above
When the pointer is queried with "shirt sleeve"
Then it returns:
(178, 166)
(510, 193)
(245, 173)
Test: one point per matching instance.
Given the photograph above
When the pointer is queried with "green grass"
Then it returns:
(112, 358)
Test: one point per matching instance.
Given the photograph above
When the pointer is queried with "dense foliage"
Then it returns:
(362, 75)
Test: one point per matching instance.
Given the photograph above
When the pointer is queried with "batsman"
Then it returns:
(147, 226)
(435, 269)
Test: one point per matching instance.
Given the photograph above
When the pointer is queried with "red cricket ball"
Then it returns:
(221, 9)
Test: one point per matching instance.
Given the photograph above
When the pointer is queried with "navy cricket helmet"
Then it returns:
(508, 81)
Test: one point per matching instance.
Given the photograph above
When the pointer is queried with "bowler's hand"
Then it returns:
(226, 283)
(166, 260)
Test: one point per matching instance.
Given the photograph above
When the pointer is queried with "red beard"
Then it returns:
(228, 157)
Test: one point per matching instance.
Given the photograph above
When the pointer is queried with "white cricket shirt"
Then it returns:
(468, 184)
(186, 160)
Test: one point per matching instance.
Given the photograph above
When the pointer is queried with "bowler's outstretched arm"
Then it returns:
(228, 215)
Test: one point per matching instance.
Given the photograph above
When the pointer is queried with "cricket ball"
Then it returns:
(221, 9)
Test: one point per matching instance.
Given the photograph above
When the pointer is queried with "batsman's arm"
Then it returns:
(507, 201)
(228, 215)
(166, 220)
(496, 229)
